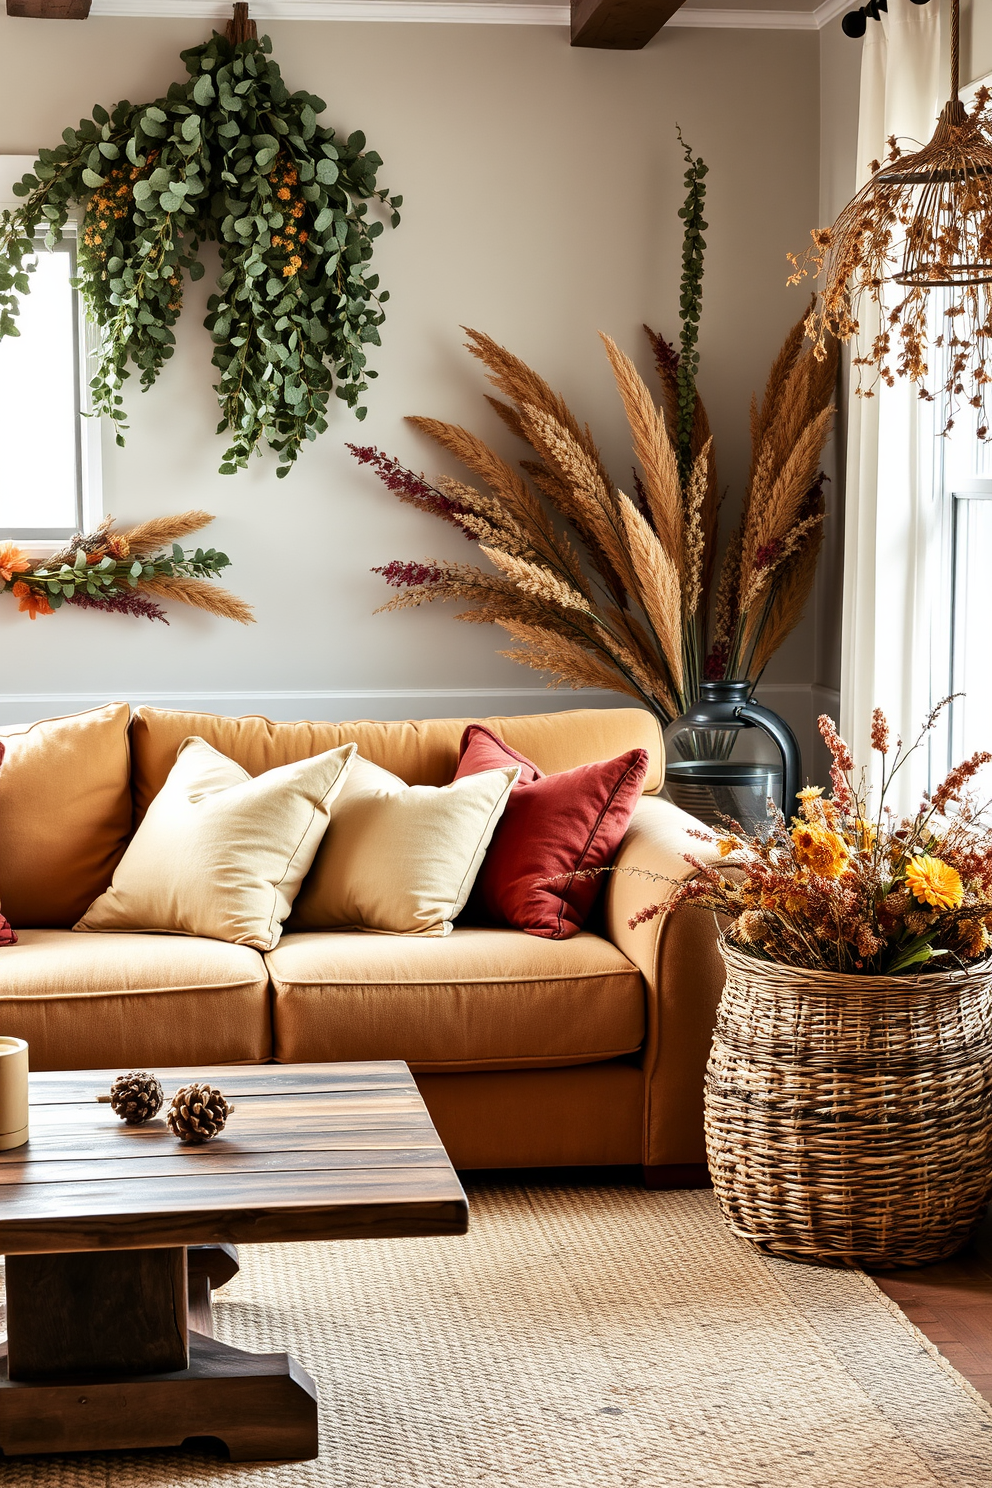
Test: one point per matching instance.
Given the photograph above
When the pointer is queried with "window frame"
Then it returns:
(38, 542)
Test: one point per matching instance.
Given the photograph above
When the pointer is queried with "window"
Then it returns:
(49, 450)
(960, 626)
(961, 561)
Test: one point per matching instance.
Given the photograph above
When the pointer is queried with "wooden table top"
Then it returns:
(311, 1152)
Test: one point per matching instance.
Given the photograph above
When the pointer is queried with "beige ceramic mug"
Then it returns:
(13, 1093)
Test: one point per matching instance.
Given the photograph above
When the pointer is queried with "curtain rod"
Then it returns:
(855, 23)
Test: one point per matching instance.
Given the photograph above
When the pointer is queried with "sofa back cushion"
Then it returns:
(420, 753)
(65, 814)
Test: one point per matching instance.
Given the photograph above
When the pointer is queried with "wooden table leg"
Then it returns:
(209, 1267)
(100, 1357)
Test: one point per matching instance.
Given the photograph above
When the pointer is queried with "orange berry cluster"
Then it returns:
(112, 202)
(291, 237)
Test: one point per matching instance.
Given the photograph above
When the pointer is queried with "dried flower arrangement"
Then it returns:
(641, 625)
(922, 222)
(601, 589)
(229, 155)
(846, 888)
(124, 573)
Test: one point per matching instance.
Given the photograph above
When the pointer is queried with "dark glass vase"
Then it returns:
(728, 755)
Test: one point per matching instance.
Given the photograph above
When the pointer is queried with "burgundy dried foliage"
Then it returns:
(409, 487)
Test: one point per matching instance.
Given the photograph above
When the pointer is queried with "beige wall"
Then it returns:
(976, 40)
(541, 186)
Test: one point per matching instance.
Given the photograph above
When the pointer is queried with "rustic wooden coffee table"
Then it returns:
(96, 1218)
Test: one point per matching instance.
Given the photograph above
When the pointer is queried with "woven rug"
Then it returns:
(588, 1337)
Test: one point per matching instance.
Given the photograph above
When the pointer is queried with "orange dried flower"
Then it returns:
(32, 601)
(935, 882)
(821, 851)
(12, 561)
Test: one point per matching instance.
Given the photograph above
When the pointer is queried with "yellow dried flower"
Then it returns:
(821, 851)
(728, 845)
(935, 882)
(809, 800)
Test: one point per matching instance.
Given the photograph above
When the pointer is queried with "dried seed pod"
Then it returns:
(136, 1097)
(197, 1113)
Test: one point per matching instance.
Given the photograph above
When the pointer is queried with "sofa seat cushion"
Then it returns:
(134, 1001)
(478, 999)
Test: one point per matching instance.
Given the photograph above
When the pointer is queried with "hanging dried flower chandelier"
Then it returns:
(923, 222)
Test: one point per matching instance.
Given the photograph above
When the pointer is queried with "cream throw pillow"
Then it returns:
(401, 859)
(220, 853)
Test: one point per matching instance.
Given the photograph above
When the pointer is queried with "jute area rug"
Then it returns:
(588, 1337)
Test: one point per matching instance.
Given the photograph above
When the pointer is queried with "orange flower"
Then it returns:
(284, 193)
(934, 882)
(32, 601)
(820, 850)
(12, 561)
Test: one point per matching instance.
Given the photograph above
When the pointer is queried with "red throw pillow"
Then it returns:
(7, 936)
(553, 825)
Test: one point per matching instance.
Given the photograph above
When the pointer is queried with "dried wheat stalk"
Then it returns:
(655, 453)
(161, 532)
(202, 595)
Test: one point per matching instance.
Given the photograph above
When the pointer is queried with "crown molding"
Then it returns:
(460, 13)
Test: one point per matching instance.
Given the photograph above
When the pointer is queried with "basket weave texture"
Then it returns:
(849, 1118)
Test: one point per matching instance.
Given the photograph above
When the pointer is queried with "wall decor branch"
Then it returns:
(229, 155)
(124, 572)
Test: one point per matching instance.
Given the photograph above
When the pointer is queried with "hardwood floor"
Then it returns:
(952, 1304)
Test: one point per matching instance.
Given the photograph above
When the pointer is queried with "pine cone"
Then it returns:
(136, 1097)
(197, 1113)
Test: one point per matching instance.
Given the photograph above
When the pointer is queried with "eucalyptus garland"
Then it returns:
(232, 156)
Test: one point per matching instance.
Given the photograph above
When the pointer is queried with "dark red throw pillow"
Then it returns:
(553, 826)
(7, 936)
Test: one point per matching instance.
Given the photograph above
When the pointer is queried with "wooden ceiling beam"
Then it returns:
(50, 10)
(619, 25)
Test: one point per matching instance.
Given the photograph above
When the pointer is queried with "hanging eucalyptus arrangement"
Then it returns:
(231, 156)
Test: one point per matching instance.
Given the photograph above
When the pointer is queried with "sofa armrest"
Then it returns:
(678, 957)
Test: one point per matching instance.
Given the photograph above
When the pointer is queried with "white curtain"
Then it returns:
(890, 534)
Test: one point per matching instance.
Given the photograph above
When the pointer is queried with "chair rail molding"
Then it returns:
(323, 705)
(800, 703)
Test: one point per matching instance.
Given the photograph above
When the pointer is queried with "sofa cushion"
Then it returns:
(555, 828)
(420, 753)
(65, 813)
(478, 999)
(222, 853)
(400, 859)
(134, 1001)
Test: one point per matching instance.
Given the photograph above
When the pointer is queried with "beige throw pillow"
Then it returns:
(401, 859)
(220, 853)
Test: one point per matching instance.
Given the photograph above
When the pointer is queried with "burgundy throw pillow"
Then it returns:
(553, 826)
(7, 936)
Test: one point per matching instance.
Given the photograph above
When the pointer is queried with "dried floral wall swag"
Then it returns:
(124, 572)
(231, 156)
(923, 222)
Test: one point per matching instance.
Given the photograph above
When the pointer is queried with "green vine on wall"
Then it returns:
(690, 306)
(231, 156)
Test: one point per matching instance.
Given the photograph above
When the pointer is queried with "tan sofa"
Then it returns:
(529, 1052)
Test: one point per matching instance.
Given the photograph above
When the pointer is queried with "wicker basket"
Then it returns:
(849, 1118)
